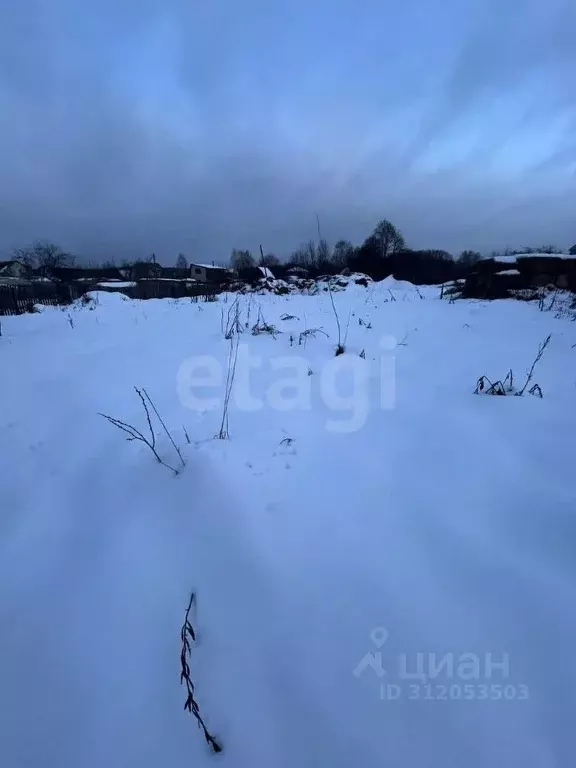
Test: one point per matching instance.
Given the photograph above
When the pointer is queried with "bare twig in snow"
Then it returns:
(310, 332)
(339, 348)
(554, 297)
(485, 386)
(224, 433)
(535, 390)
(537, 359)
(135, 434)
(147, 396)
(261, 326)
(188, 636)
(496, 388)
(230, 324)
(347, 328)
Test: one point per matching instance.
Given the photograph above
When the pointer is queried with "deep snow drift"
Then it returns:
(383, 561)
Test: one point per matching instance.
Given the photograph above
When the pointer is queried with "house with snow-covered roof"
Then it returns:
(209, 273)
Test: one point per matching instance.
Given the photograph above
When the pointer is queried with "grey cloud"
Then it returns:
(128, 128)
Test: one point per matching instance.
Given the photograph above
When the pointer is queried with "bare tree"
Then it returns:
(323, 255)
(467, 258)
(343, 253)
(240, 260)
(300, 257)
(270, 260)
(181, 262)
(311, 254)
(44, 254)
(388, 239)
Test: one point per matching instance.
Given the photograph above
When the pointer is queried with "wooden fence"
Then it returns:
(18, 299)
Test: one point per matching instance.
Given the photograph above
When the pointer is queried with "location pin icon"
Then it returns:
(379, 635)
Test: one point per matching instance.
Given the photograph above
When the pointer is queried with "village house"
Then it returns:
(495, 277)
(14, 272)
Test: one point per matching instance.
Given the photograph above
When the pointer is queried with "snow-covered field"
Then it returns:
(384, 563)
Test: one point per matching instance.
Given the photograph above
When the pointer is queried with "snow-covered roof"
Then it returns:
(516, 256)
(505, 259)
(208, 266)
(266, 272)
(117, 284)
(544, 256)
(167, 280)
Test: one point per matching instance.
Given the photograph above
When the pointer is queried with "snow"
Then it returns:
(514, 259)
(392, 513)
(508, 272)
(117, 284)
(209, 266)
(544, 256)
(266, 272)
(167, 280)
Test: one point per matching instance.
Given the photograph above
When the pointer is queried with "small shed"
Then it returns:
(209, 273)
(557, 269)
(494, 278)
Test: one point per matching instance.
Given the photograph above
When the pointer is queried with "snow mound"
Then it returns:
(302, 285)
(104, 298)
(342, 282)
(393, 284)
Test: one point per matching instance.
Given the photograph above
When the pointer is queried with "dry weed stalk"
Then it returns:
(506, 387)
(230, 324)
(135, 434)
(537, 359)
(261, 326)
(224, 432)
(340, 349)
(188, 636)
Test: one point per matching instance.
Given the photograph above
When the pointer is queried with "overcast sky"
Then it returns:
(132, 126)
